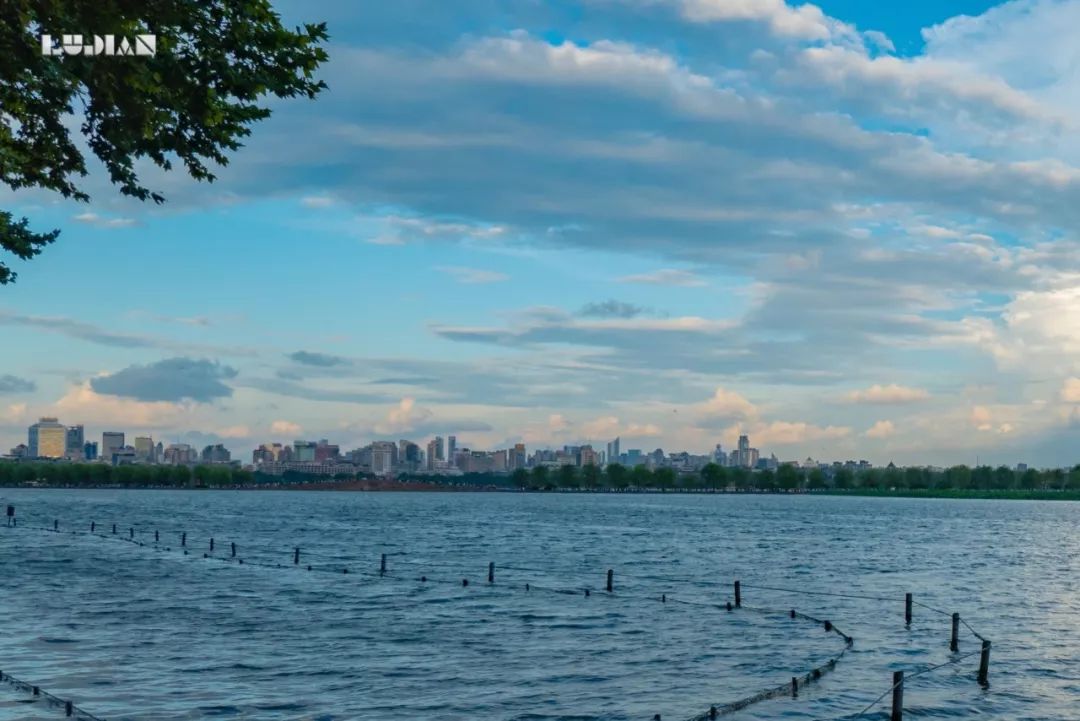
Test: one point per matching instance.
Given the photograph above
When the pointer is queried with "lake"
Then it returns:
(134, 632)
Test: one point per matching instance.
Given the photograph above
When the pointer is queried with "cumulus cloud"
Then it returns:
(1070, 391)
(172, 379)
(608, 427)
(101, 222)
(14, 384)
(286, 428)
(316, 201)
(890, 394)
(881, 429)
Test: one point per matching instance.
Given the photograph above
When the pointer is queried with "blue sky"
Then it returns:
(847, 229)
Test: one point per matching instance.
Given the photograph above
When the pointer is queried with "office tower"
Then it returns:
(111, 442)
(90, 451)
(517, 457)
(383, 454)
(144, 448)
(304, 451)
(48, 439)
(75, 441)
(440, 456)
(216, 454)
(613, 451)
(451, 448)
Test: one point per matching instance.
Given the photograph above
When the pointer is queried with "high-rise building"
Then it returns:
(326, 452)
(75, 441)
(433, 453)
(719, 457)
(144, 448)
(613, 451)
(48, 439)
(304, 451)
(383, 454)
(517, 457)
(111, 443)
(90, 451)
(216, 454)
(451, 448)
(439, 455)
(587, 456)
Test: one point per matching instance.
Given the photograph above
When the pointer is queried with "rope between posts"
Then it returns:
(341, 567)
(70, 709)
(915, 674)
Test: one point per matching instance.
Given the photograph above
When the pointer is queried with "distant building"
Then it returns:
(613, 452)
(111, 442)
(304, 451)
(48, 439)
(326, 452)
(518, 457)
(180, 454)
(216, 453)
(90, 451)
(75, 440)
(586, 456)
(451, 448)
(383, 454)
(20, 451)
(144, 448)
(409, 455)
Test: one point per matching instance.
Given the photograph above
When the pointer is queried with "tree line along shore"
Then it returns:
(957, 481)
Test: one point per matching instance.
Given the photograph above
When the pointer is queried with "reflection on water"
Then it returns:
(131, 633)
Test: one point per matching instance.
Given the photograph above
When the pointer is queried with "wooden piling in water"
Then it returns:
(114, 529)
(610, 580)
(157, 536)
(897, 696)
(296, 556)
(56, 525)
(93, 526)
(794, 687)
(131, 533)
(954, 642)
(738, 594)
(984, 664)
(211, 545)
(907, 609)
(234, 551)
(712, 712)
(382, 564)
(69, 708)
(491, 572)
(183, 538)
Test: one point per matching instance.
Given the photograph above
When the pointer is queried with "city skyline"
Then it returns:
(841, 229)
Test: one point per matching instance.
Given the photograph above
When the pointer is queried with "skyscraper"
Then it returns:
(111, 442)
(144, 448)
(48, 439)
(75, 441)
(613, 451)
(744, 451)
(451, 448)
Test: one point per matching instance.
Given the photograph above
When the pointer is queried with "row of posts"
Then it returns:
(898, 676)
(69, 707)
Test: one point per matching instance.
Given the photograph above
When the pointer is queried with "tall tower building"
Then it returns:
(75, 441)
(111, 442)
(439, 455)
(744, 451)
(144, 448)
(451, 448)
(48, 439)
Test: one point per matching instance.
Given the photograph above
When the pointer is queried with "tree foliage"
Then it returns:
(192, 102)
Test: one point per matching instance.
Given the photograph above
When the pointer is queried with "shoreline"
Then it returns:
(383, 486)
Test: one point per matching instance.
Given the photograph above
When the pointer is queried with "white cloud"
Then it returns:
(881, 429)
(802, 22)
(666, 276)
(1070, 391)
(101, 222)
(887, 394)
(404, 418)
(316, 201)
(608, 427)
(286, 428)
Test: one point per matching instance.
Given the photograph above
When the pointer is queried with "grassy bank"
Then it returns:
(1003, 495)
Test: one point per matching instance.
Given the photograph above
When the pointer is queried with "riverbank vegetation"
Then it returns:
(954, 482)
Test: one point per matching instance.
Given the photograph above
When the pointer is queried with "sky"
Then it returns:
(848, 230)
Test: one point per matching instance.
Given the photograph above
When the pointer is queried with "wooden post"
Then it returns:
(183, 538)
(954, 643)
(296, 556)
(37, 691)
(234, 550)
(69, 708)
(794, 687)
(897, 696)
(610, 580)
(738, 595)
(211, 545)
(131, 533)
(114, 528)
(382, 564)
(712, 712)
(464, 582)
(93, 526)
(157, 536)
(907, 609)
(491, 572)
(56, 525)
(984, 664)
